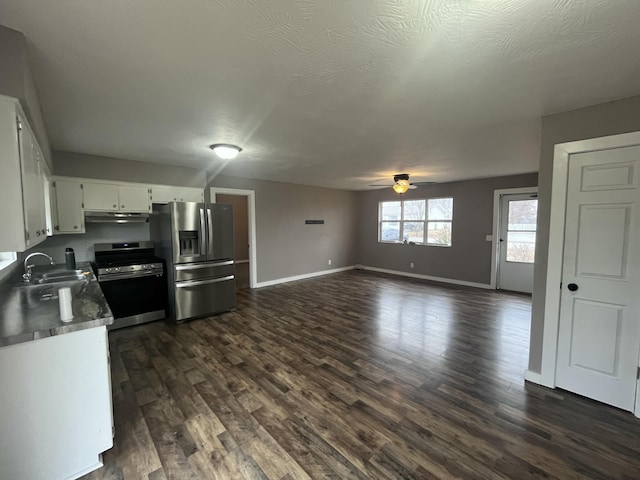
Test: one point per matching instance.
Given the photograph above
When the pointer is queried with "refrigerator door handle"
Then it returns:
(203, 265)
(204, 282)
(210, 233)
(202, 233)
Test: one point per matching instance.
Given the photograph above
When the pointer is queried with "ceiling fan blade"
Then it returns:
(423, 184)
(379, 185)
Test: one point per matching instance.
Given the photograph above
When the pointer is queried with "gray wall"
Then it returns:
(16, 81)
(285, 245)
(117, 169)
(469, 257)
(82, 244)
(610, 118)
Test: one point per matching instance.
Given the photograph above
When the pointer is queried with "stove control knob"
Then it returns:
(145, 267)
(107, 270)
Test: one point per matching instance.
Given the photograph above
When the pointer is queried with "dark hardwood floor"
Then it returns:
(354, 375)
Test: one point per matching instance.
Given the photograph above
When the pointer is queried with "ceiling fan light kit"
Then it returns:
(401, 183)
(401, 186)
(226, 151)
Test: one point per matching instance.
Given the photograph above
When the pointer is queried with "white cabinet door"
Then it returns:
(32, 188)
(191, 195)
(164, 194)
(68, 195)
(106, 197)
(133, 199)
(100, 197)
(51, 209)
(21, 181)
(56, 415)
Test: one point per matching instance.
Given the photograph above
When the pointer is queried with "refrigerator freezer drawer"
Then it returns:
(199, 271)
(197, 298)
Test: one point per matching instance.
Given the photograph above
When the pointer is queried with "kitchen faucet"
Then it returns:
(27, 268)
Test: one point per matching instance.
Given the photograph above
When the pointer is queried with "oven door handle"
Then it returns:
(204, 282)
(121, 276)
(205, 265)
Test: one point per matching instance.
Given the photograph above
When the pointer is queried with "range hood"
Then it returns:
(115, 217)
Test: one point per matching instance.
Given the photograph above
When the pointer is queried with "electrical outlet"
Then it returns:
(411, 264)
(329, 262)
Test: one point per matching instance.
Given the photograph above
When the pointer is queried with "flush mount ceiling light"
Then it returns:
(225, 151)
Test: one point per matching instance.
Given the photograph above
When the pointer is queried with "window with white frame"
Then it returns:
(423, 222)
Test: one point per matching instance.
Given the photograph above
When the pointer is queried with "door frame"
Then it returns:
(251, 206)
(497, 221)
(561, 154)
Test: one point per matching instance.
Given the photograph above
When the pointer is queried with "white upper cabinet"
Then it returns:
(166, 194)
(68, 201)
(105, 197)
(22, 192)
(192, 195)
(134, 199)
(32, 186)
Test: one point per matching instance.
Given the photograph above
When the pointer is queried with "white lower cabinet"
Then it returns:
(56, 416)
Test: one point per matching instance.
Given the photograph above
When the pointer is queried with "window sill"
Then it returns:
(418, 244)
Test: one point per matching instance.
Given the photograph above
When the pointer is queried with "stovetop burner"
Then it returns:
(124, 260)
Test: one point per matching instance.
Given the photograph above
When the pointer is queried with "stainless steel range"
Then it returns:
(133, 281)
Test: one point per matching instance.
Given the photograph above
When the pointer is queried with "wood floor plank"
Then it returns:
(354, 376)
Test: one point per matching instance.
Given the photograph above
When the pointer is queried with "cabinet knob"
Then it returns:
(75, 227)
(121, 206)
(114, 206)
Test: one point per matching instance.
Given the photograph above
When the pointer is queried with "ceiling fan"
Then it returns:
(401, 183)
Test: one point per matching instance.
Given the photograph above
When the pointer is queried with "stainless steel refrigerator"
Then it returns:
(196, 241)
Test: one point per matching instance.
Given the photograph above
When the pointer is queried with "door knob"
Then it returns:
(572, 287)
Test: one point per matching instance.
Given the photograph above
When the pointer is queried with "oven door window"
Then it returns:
(133, 296)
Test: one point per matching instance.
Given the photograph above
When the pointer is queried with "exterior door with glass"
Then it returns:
(518, 216)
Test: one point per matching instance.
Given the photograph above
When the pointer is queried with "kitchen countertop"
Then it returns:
(31, 312)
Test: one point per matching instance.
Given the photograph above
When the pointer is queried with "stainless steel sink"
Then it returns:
(57, 277)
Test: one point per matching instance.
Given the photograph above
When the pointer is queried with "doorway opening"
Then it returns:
(243, 202)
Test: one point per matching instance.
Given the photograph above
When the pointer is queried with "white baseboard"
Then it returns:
(301, 277)
(428, 277)
(533, 377)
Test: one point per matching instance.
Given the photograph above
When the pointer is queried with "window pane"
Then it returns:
(413, 232)
(441, 209)
(414, 210)
(523, 214)
(390, 211)
(439, 233)
(521, 247)
(390, 232)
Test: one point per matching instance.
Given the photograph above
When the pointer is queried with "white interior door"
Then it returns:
(599, 330)
(518, 216)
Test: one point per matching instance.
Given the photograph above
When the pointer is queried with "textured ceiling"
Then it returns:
(334, 93)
